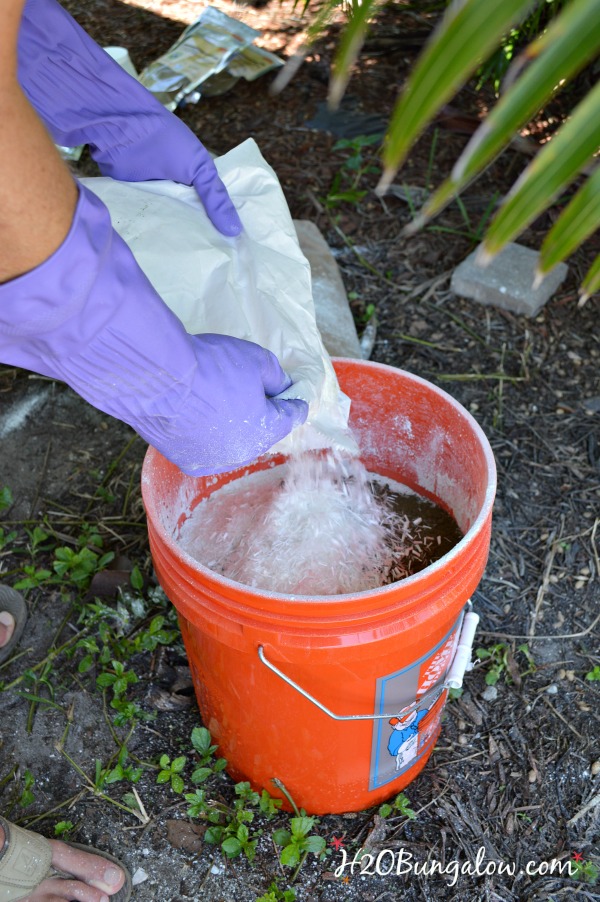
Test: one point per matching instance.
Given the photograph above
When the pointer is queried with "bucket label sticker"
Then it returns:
(399, 742)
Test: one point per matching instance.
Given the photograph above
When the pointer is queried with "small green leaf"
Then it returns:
(177, 783)
(301, 826)
(201, 774)
(136, 579)
(290, 855)
(314, 844)
(492, 677)
(201, 739)
(115, 775)
(231, 846)
(213, 835)
(85, 664)
(6, 498)
(282, 837)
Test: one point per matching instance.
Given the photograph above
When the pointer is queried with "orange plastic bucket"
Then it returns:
(340, 697)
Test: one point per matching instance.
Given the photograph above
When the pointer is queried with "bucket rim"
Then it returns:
(411, 582)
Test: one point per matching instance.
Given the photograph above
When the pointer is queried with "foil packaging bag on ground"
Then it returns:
(256, 286)
(250, 63)
(203, 50)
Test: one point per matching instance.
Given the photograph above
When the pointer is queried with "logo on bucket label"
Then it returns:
(399, 742)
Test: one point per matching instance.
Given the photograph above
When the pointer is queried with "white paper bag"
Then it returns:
(256, 286)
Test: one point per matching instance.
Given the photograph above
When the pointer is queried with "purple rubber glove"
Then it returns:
(89, 316)
(85, 97)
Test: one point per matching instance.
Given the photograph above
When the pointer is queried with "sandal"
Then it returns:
(26, 860)
(13, 602)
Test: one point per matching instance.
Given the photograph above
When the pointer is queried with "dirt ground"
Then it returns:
(515, 771)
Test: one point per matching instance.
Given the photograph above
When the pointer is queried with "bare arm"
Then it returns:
(37, 193)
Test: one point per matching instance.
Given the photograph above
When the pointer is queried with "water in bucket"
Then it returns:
(317, 525)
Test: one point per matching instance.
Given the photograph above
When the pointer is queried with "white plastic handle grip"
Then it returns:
(462, 658)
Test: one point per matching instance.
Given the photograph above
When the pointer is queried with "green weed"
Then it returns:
(455, 693)
(206, 767)
(299, 841)
(594, 675)
(70, 566)
(113, 635)
(500, 662)
(275, 894)
(6, 498)
(230, 824)
(472, 229)
(170, 772)
(345, 185)
(584, 871)
(39, 539)
(27, 797)
(96, 786)
(524, 817)
(121, 771)
(79, 566)
(39, 691)
(400, 805)
(7, 538)
(34, 577)
(118, 679)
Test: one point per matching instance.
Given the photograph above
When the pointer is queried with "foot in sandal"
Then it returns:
(13, 615)
(7, 627)
(34, 869)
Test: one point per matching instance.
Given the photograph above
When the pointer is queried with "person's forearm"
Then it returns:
(37, 192)
(84, 97)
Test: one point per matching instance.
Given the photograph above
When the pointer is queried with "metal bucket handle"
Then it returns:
(453, 679)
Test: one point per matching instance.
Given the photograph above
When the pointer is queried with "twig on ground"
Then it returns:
(579, 635)
(593, 803)
(564, 720)
(545, 580)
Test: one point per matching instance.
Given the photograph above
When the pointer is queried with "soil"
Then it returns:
(515, 771)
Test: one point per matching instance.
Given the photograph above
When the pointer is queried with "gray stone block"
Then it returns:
(507, 281)
(334, 317)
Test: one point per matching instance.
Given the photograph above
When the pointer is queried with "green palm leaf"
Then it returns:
(350, 45)
(591, 283)
(555, 166)
(469, 31)
(316, 29)
(575, 224)
(558, 54)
